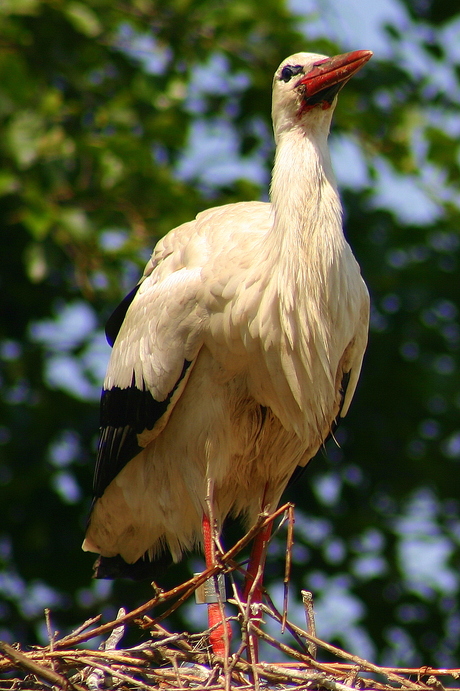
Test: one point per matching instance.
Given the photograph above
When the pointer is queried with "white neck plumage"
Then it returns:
(306, 204)
(306, 241)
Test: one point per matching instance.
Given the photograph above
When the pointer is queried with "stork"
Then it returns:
(237, 352)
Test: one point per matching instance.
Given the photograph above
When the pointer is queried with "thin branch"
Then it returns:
(307, 599)
(33, 667)
(288, 562)
(364, 664)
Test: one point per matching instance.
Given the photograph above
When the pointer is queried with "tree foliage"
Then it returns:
(105, 112)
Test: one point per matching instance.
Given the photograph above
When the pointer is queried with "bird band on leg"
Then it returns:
(207, 593)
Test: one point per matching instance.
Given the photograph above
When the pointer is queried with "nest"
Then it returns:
(183, 661)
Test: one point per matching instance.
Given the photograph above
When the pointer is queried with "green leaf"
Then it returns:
(19, 6)
(8, 183)
(75, 221)
(38, 220)
(23, 137)
(84, 19)
(112, 169)
(35, 261)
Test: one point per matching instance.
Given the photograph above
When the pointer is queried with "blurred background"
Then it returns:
(120, 120)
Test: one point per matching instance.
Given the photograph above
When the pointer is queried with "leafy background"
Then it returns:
(121, 120)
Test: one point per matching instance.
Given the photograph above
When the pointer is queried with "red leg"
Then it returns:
(255, 571)
(256, 561)
(222, 631)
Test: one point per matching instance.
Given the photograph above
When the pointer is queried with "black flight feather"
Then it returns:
(142, 569)
(117, 317)
(125, 413)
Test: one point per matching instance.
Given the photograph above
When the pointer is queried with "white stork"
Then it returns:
(238, 350)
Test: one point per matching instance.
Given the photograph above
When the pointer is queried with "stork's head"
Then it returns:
(306, 85)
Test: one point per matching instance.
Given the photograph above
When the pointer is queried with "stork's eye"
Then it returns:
(290, 71)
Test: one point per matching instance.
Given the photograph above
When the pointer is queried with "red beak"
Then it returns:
(333, 71)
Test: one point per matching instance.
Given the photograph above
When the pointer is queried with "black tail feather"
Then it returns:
(142, 569)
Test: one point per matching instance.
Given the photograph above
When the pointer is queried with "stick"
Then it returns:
(287, 569)
(307, 599)
(32, 667)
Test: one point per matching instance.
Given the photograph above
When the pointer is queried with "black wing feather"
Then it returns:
(142, 569)
(125, 413)
(117, 317)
